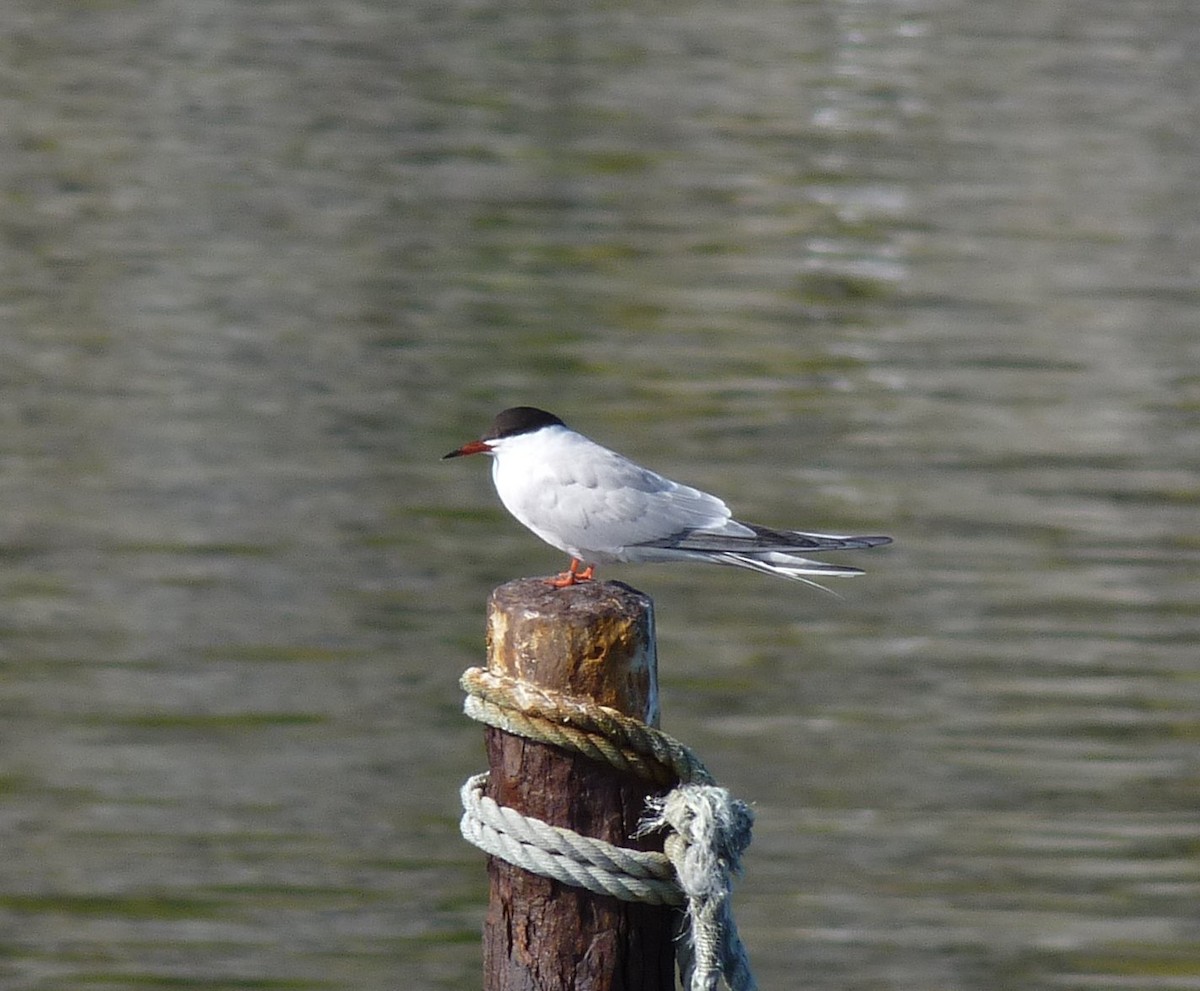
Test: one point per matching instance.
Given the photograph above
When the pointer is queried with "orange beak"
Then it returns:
(473, 447)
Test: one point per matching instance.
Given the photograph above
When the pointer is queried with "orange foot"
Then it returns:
(572, 576)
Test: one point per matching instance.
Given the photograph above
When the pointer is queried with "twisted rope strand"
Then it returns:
(566, 856)
(595, 731)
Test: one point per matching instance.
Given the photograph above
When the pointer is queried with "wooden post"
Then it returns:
(595, 641)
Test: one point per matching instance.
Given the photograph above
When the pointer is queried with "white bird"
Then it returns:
(598, 506)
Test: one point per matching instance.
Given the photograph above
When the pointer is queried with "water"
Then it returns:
(924, 268)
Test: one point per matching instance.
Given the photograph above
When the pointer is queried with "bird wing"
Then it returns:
(749, 538)
(595, 499)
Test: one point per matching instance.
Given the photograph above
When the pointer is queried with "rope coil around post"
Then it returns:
(563, 854)
(708, 828)
(595, 731)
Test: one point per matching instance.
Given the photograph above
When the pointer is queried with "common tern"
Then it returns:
(599, 507)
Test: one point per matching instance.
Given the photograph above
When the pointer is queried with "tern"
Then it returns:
(599, 507)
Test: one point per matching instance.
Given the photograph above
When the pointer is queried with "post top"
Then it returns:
(594, 640)
(533, 594)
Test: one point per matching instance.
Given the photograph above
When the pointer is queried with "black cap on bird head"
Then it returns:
(520, 420)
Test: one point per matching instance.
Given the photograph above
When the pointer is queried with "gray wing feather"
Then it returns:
(753, 539)
(621, 504)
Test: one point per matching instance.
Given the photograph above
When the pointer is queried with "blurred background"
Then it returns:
(922, 267)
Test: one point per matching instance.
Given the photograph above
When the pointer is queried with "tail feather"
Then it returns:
(758, 548)
(758, 540)
(788, 566)
(766, 538)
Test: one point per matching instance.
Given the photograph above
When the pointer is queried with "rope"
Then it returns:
(566, 856)
(596, 731)
(709, 832)
(708, 829)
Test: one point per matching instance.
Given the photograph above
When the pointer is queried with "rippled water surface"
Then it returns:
(925, 268)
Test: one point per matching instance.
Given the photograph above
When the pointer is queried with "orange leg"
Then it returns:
(572, 576)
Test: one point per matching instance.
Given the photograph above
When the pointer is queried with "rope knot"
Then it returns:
(709, 832)
(708, 829)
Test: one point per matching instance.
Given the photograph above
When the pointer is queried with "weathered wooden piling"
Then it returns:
(593, 641)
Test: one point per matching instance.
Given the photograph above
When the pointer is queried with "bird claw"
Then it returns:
(572, 576)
